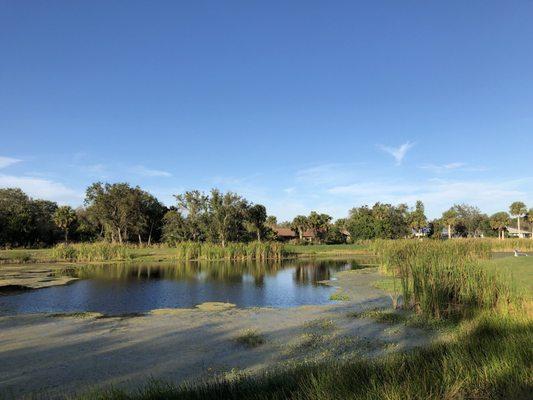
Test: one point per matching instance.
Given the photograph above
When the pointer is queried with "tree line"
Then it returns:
(121, 213)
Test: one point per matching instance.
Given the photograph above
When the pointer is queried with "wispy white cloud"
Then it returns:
(438, 194)
(398, 152)
(42, 188)
(454, 166)
(289, 190)
(7, 161)
(330, 173)
(149, 172)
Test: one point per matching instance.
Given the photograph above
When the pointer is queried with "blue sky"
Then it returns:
(301, 106)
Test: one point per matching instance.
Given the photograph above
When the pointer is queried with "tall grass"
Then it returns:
(185, 251)
(444, 279)
(510, 244)
(89, 252)
(259, 251)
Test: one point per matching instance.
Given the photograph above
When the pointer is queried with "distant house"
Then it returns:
(346, 234)
(514, 232)
(287, 234)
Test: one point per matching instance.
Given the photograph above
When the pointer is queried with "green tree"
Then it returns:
(390, 222)
(25, 221)
(518, 210)
(228, 214)
(470, 220)
(450, 218)
(149, 214)
(65, 218)
(299, 224)
(271, 221)
(319, 223)
(360, 223)
(417, 218)
(121, 210)
(257, 216)
(499, 222)
(194, 206)
(175, 227)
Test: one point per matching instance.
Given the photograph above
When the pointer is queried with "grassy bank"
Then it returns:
(488, 358)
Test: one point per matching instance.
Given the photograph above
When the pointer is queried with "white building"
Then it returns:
(514, 232)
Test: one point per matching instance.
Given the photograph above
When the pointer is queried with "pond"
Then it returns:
(135, 288)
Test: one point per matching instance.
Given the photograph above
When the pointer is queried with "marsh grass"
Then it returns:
(339, 295)
(510, 244)
(383, 316)
(250, 338)
(444, 279)
(185, 251)
(259, 251)
(88, 252)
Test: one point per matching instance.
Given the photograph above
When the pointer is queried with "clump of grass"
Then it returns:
(259, 251)
(382, 316)
(339, 295)
(16, 257)
(77, 315)
(444, 279)
(250, 338)
(100, 251)
(322, 324)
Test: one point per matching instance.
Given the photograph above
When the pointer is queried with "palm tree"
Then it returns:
(518, 209)
(529, 217)
(64, 218)
(300, 224)
(500, 221)
(449, 218)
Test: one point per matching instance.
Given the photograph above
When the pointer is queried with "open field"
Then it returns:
(518, 270)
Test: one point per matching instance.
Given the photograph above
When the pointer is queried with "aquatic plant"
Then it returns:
(100, 251)
(442, 279)
(259, 251)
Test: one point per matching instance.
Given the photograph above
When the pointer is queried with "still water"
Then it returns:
(133, 288)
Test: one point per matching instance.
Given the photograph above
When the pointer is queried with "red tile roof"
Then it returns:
(288, 232)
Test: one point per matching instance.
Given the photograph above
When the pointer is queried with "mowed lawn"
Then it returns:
(518, 269)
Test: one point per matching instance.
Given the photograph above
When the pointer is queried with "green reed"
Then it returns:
(443, 279)
(259, 251)
(88, 252)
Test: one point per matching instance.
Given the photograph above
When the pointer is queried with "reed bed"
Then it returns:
(507, 245)
(259, 251)
(88, 252)
(185, 251)
(444, 279)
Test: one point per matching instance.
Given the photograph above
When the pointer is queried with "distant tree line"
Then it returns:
(121, 213)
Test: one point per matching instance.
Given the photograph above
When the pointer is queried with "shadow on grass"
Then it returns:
(490, 358)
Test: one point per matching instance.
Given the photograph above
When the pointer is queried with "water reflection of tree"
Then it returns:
(216, 271)
(306, 271)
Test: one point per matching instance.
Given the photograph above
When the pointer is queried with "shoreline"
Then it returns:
(58, 354)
